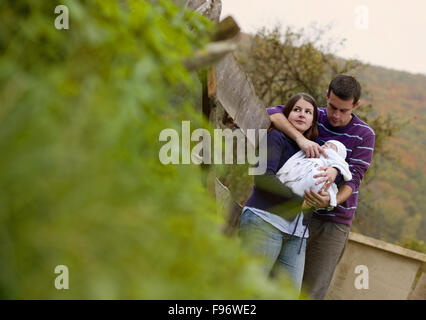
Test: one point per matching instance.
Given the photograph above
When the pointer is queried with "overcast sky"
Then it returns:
(388, 33)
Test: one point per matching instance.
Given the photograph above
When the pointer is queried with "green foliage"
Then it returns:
(80, 179)
(413, 244)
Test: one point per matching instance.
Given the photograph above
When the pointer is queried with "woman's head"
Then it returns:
(301, 110)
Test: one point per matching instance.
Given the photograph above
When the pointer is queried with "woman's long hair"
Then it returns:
(312, 132)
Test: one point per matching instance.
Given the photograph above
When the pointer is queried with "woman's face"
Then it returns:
(302, 115)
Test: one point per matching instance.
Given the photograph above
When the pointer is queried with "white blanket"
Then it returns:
(297, 173)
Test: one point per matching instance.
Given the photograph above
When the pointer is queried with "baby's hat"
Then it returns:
(341, 149)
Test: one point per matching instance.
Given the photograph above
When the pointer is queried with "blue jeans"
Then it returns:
(274, 246)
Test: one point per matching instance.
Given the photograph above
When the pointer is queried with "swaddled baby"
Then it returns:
(297, 173)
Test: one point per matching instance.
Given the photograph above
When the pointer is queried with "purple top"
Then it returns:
(359, 139)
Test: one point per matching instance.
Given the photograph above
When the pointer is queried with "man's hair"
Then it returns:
(345, 87)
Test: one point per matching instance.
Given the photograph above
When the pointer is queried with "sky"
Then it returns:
(384, 33)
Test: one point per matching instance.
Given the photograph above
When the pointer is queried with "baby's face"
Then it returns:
(329, 145)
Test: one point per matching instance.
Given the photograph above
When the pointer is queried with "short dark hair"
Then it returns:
(312, 132)
(345, 87)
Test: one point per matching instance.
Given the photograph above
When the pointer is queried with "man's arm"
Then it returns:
(322, 199)
(281, 123)
(311, 148)
(359, 162)
(344, 193)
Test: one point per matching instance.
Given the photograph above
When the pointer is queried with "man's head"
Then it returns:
(342, 98)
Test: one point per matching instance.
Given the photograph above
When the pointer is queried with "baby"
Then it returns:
(297, 173)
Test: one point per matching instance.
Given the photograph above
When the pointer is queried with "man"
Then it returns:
(329, 228)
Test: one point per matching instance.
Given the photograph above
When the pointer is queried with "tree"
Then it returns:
(296, 61)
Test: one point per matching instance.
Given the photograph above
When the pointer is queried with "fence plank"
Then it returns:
(235, 93)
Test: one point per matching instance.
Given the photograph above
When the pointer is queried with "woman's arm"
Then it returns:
(269, 181)
(291, 206)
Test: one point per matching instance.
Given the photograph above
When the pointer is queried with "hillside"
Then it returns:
(397, 186)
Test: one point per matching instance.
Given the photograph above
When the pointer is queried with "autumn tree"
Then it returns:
(298, 60)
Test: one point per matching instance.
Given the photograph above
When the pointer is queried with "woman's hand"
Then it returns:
(305, 205)
(317, 200)
(328, 175)
(311, 148)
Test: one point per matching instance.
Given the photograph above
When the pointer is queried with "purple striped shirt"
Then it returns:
(359, 139)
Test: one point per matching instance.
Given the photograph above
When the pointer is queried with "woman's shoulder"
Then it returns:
(319, 141)
(278, 135)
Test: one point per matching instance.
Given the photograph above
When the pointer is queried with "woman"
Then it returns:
(271, 224)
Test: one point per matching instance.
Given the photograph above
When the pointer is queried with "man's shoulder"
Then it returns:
(362, 126)
(322, 115)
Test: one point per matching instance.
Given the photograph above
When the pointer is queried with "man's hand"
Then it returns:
(317, 200)
(328, 175)
(311, 148)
